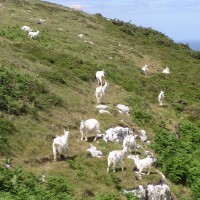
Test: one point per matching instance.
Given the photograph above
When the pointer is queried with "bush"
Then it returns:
(142, 116)
(12, 33)
(195, 54)
(6, 129)
(179, 158)
(23, 94)
(18, 184)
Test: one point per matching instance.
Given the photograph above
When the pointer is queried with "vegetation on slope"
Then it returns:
(46, 84)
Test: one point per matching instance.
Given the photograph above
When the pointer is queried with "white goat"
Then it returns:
(81, 35)
(34, 35)
(41, 21)
(161, 97)
(143, 135)
(100, 76)
(90, 125)
(102, 111)
(122, 109)
(60, 145)
(130, 143)
(145, 69)
(26, 28)
(100, 91)
(94, 152)
(142, 163)
(101, 107)
(166, 70)
(115, 158)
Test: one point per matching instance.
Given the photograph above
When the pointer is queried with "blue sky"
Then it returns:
(178, 19)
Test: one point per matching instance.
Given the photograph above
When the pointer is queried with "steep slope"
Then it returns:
(47, 83)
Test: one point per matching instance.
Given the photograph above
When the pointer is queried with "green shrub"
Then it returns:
(12, 33)
(142, 116)
(131, 196)
(6, 129)
(195, 54)
(111, 196)
(19, 184)
(23, 94)
(179, 158)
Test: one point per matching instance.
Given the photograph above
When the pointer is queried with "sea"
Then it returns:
(194, 45)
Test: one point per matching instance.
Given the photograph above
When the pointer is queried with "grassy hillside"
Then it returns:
(47, 83)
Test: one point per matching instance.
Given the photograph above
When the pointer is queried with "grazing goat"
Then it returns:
(161, 97)
(26, 28)
(145, 69)
(142, 163)
(33, 35)
(130, 143)
(90, 125)
(60, 145)
(115, 158)
(166, 70)
(100, 76)
(100, 91)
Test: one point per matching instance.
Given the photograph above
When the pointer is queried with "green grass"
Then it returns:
(47, 83)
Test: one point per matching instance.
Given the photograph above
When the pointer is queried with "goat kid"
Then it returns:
(115, 158)
(33, 35)
(26, 28)
(100, 91)
(166, 70)
(145, 69)
(142, 163)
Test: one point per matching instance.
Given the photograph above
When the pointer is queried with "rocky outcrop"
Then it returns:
(152, 192)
